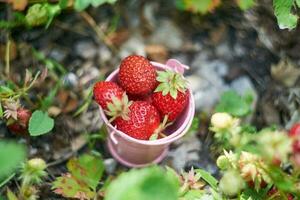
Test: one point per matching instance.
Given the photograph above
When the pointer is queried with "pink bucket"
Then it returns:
(138, 153)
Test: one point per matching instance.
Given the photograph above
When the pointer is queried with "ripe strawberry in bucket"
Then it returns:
(103, 92)
(141, 121)
(171, 95)
(137, 75)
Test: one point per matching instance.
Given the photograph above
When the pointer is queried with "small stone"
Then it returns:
(244, 85)
(134, 45)
(206, 92)
(168, 34)
(104, 54)
(86, 49)
(224, 51)
(185, 152)
(110, 165)
(58, 54)
(70, 80)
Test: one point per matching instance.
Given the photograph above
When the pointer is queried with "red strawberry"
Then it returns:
(141, 122)
(295, 130)
(294, 133)
(147, 98)
(275, 194)
(171, 96)
(104, 91)
(137, 75)
(21, 124)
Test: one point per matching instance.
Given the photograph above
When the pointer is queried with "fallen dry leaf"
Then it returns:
(157, 52)
(285, 72)
(18, 4)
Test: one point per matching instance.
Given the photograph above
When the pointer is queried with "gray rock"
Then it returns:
(134, 45)
(223, 51)
(168, 34)
(186, 151)
(244, 85)
(88, 72)
(58, 54)
(86, 49)
(70, 80)
(110, 165)
(104, 54)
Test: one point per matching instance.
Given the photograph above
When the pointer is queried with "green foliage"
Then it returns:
(40, 14)
(193, 194)
(245, 4)
(148, 184)
(208, 178)
(196, 6)
(233, 104)
(1, 110)
(11, 195)
(40, 123)
(282, 10)
(205, 6)
(85, 174)
(11, 156)
(80, 5)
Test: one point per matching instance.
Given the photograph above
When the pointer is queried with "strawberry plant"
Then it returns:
(284, 10)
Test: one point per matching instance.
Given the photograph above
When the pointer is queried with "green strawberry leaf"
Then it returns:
(150, 183)
(245, 4)
(285, 18)
(80, 5)
(69, 187)
(233, 104)
(87, 168)
(40, 123)
(195, 194)
(81, 183)
(208, 178)
(11, 156)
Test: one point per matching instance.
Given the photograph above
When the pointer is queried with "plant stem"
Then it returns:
(7, 179)
(7, 56)
(101, 35)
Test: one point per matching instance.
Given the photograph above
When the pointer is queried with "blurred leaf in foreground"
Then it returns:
(11, 156)
(150, 183)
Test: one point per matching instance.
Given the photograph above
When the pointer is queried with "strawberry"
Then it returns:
(147, 98)
(104, 91)
(20, 125)
(171, 96)
(137, 75)
(295, 130)
(141, 121)
(294, 133)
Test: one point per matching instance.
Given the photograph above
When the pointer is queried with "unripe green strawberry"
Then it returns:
(231, 183)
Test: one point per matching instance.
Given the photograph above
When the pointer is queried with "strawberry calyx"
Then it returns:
(159, 131)
(118, 108)
(170, 83)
